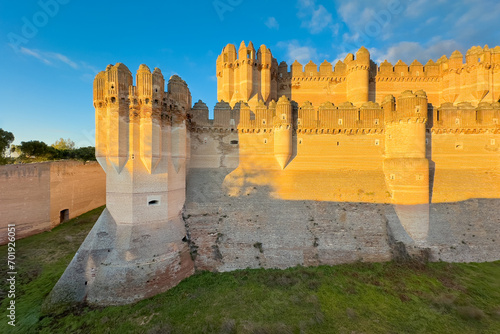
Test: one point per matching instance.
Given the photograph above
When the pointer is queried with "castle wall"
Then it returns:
(474, 78)
(254, 229)
(33, 195)
(466, 166)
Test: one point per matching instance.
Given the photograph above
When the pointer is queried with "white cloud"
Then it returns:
(409, 51)
(314, 17)
(49, 58)
(271, 23)
(35, 54)
(55, 59)
(371, 19)
(296, 51)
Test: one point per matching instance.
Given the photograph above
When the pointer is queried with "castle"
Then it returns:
(304, 167)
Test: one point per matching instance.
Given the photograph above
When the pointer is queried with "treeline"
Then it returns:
(36, 151)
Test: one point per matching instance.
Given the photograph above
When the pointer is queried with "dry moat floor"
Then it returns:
(354, 298)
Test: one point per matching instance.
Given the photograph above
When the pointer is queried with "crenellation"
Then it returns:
(401, 69)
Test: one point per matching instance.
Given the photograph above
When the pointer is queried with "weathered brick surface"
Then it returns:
(255, 230)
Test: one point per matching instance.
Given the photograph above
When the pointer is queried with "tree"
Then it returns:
(64, 144)
(84, 153)
(6, 138)
(35, 148)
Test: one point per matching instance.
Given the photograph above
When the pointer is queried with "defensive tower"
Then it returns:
(136, 248)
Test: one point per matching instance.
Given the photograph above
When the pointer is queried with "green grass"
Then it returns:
(355, 298)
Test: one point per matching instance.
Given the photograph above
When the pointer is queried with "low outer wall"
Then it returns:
(33, 195)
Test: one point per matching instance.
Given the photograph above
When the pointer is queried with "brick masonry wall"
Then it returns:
(32, 195)
(255, 230)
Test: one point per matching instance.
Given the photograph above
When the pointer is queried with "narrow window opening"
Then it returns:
(457, 121)
(154, 202)
(234, 142)
(393, 176)
(377, 142)
(113, 99)
(437, 115)
(338, 143)
(340, 121)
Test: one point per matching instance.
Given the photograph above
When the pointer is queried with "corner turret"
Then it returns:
(283, 128)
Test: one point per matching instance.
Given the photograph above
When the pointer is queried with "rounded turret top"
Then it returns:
(421, 93)
(229, 48)
(157, 70)
(283, 99)
(121, 66)
(407, 93)
(200, 105)
(362, 50)
(443, 59)
(144, 67)
(327, 105)
(484, 105)
(388, 98)
(175, 77)
(349, 57)
(456, 54)
(109, 67)
(370, 105)
(222, 105)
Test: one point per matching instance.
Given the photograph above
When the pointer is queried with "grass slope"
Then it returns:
(354, 298)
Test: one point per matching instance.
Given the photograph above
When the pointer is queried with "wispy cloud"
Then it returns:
(314, 17)
(408, 51)
(49, 58)
(86, 71)
(296, 51)
(272, 23)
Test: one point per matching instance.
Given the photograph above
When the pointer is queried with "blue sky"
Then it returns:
(46, 73)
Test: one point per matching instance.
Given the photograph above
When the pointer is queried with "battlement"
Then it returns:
(370, 117)
(474, 78)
